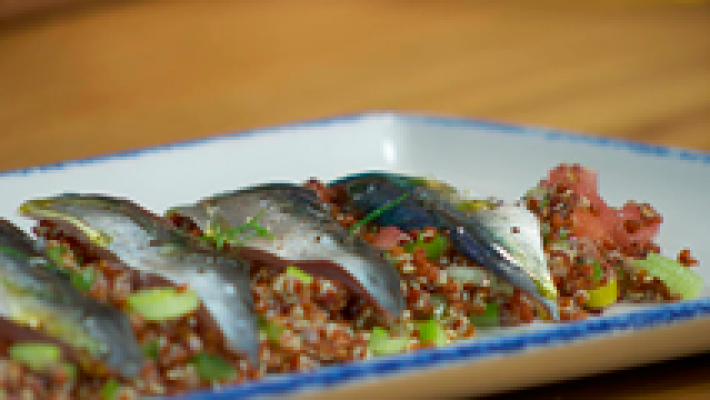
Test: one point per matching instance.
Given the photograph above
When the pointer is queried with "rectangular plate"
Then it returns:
(488, 158)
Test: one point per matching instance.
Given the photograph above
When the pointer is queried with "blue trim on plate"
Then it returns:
(466, 351)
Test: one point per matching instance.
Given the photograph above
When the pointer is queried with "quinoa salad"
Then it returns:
(108, 300)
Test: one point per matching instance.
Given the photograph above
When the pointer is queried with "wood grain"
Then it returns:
(100, 77)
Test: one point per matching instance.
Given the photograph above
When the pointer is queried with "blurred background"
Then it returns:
(81, 78)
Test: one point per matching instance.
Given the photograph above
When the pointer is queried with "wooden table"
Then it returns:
(92, 79)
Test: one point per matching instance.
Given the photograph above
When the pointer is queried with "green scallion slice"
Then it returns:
(382, 343)
(212, 368)
(37, 356)
(298, 274)
(163, 303)
(678, 278)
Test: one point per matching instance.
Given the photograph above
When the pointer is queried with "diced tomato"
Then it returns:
(632, 227)
(602, 222)
(589, 225)
(580, 180)
(387, 237)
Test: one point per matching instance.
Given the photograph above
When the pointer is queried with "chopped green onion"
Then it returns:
(489, 318)
(83, 280)
(603, 296)
(678, 278)
(434, 249)
(381, 343)
(376, 213)
(597, 274)
(151, 349)
(298, 274)
(163, 303)
(212, 368)
(110, 390)
(37, 356)
(431, 332)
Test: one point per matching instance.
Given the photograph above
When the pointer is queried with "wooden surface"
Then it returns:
(96, 78)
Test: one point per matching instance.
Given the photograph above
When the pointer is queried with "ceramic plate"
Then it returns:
(488, 158)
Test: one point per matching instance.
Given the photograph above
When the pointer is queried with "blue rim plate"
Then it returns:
(488, 157)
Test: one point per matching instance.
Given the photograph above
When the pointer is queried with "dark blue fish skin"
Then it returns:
(371, 191)
(367, 192)
(23, 264)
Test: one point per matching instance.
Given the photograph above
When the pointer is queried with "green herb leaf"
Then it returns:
(376, 213)
(239, 235)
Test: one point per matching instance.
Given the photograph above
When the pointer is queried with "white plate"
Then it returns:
(489, 158)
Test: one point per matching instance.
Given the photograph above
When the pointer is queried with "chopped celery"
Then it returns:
(678, 278)
(603, 296)
(490, 317)
(434, 249)
(37, 356)
(212, 368)
(273, 331)
(110, 390)
(381, 342)
(163, 303)
(298, 274)
(431, 332)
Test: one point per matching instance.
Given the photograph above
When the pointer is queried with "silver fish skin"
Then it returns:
(302, 229)
(513, 235)
(34, 293)
(146, 242)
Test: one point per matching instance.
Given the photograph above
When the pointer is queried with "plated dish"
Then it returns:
(356, 268)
